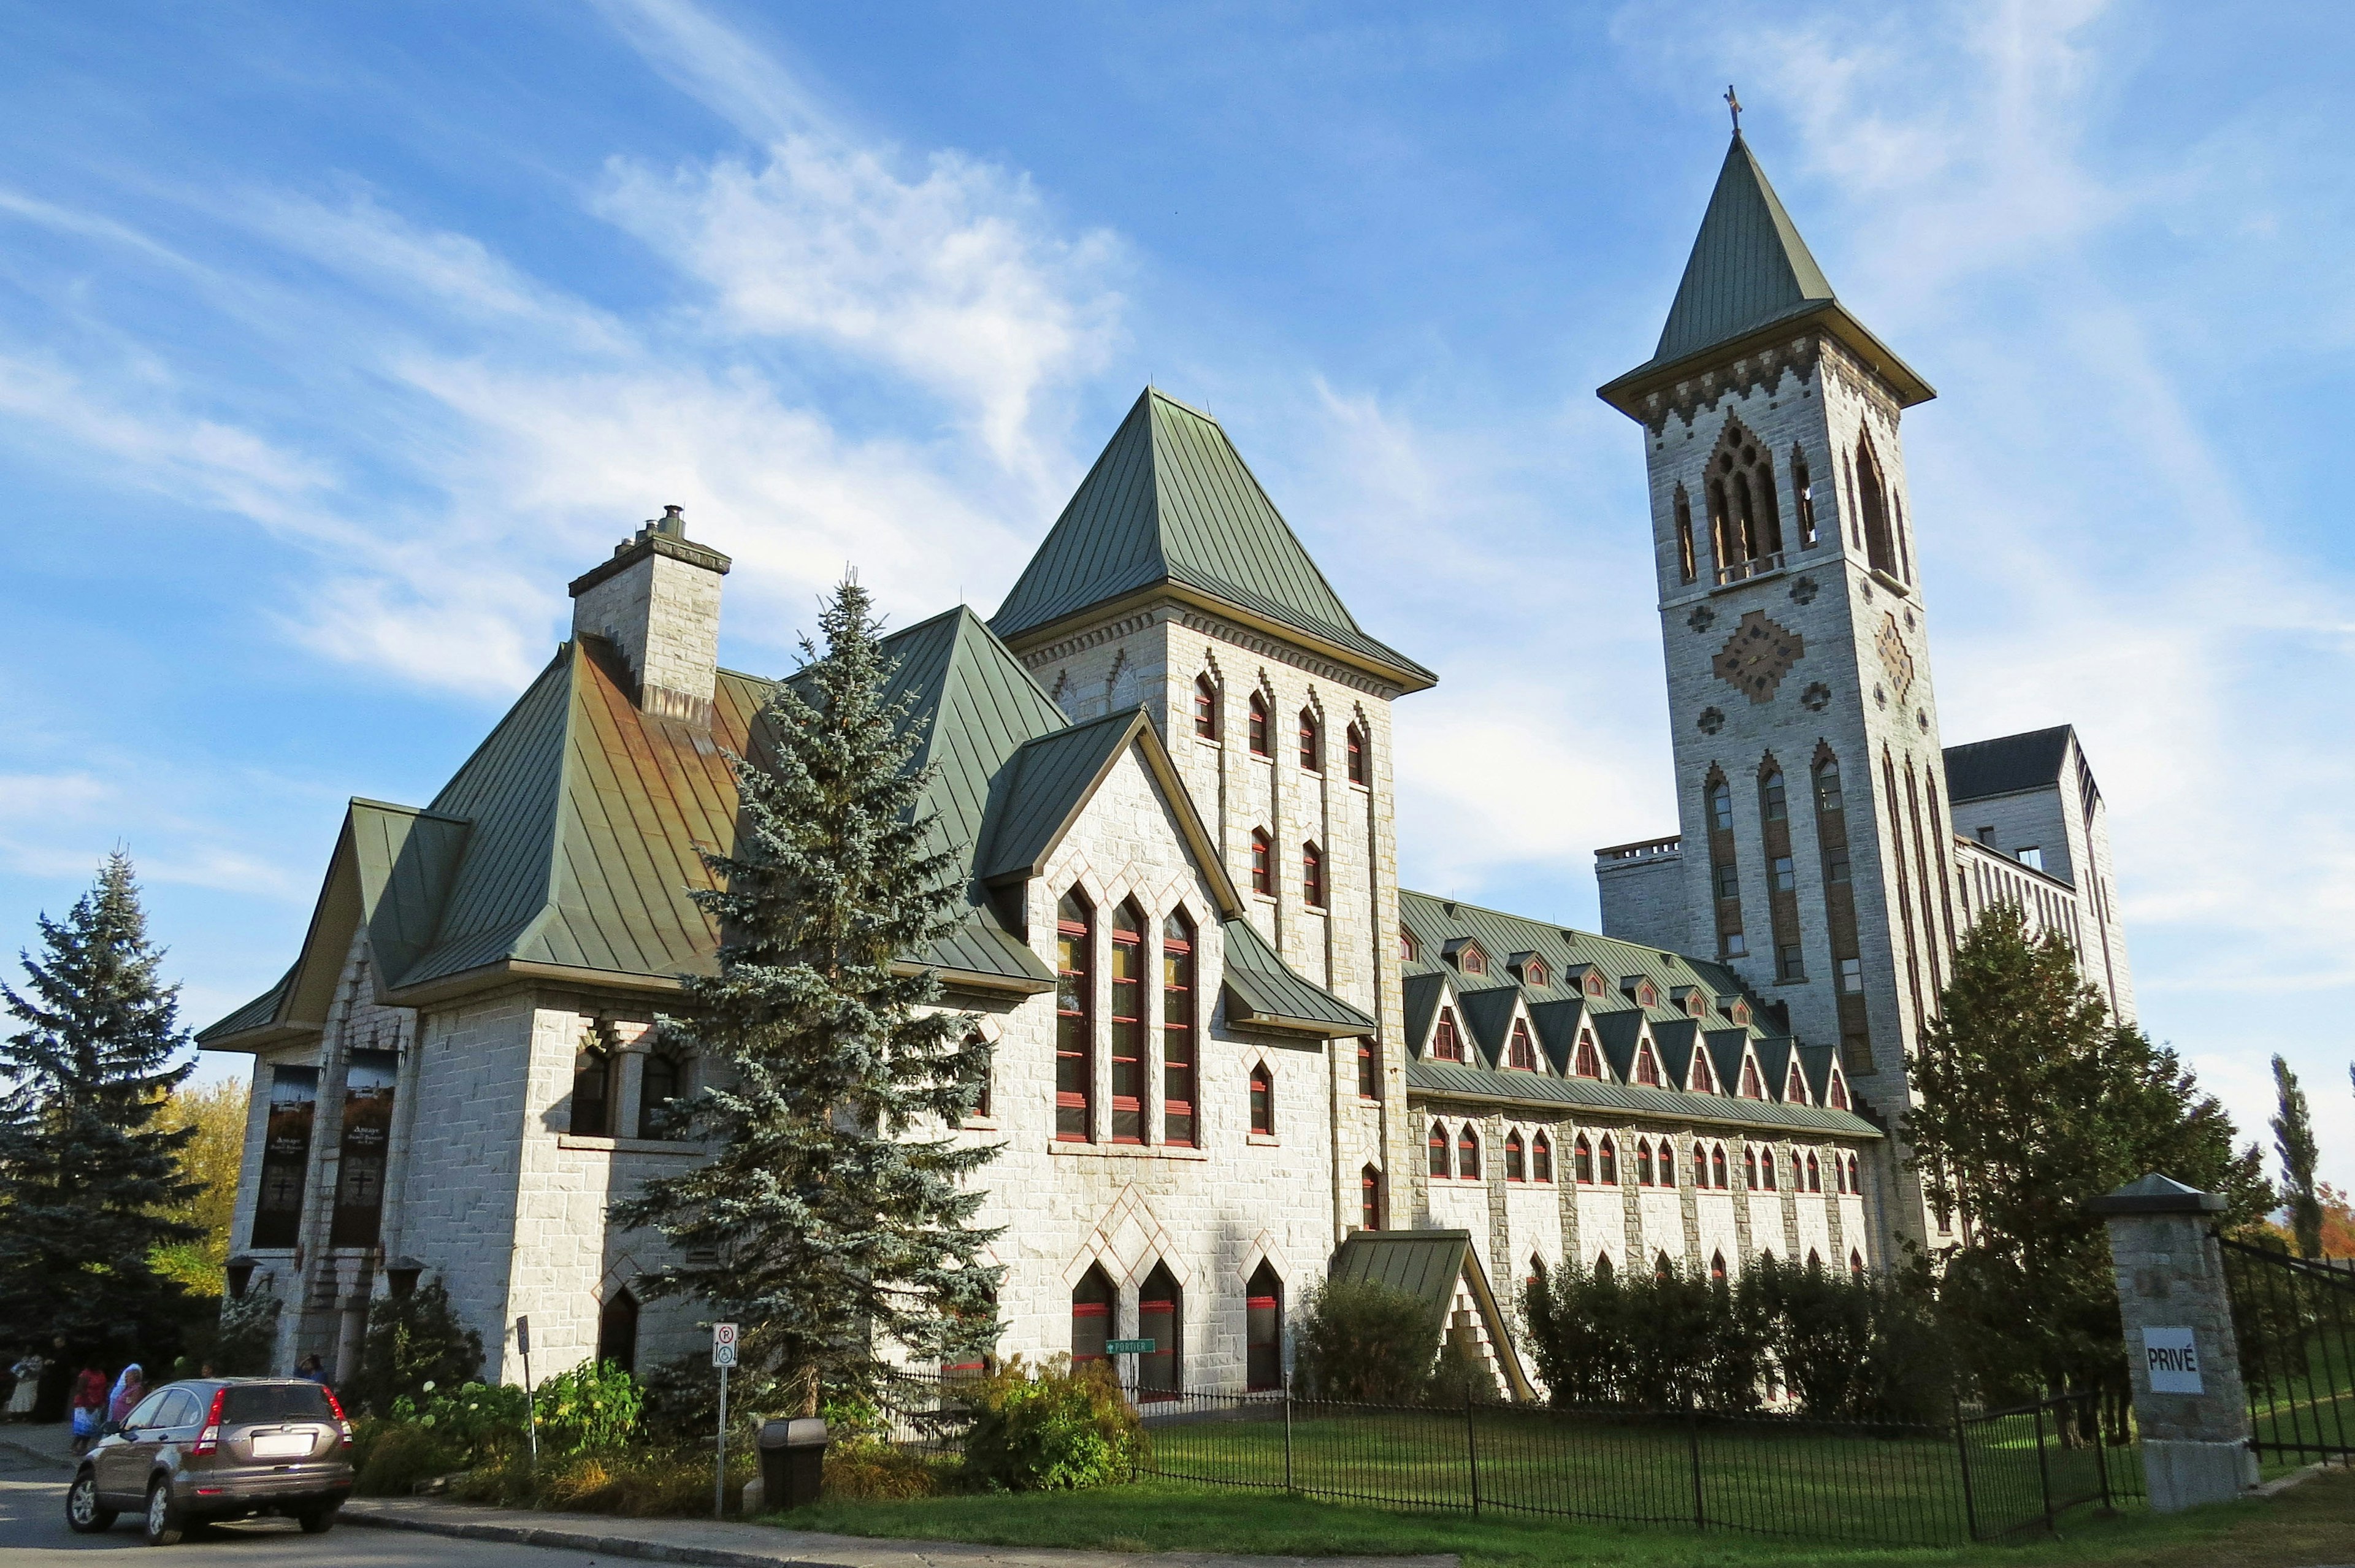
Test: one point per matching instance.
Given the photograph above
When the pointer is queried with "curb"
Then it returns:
(584, 1540)
(36, 1456)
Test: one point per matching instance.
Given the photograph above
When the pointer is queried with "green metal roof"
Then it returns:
(1049, 779)
(1171, 502)
(1427, 1265)
(1264, 991)
(1536, 1091)
(1750, 272)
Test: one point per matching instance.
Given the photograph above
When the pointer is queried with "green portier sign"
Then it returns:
(1129, 1347)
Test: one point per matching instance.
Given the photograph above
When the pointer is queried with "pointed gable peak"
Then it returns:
(1169, 506)
(1748, 267)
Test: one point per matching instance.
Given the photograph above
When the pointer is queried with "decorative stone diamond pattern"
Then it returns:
(1894, 658)
(1758, 655)
(1701, 619)
(1816, 697)
(1713, 719)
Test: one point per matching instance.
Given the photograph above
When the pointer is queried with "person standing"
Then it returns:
(27, 1373)
(88, 1405)
(311, 1369)
(128, 1391)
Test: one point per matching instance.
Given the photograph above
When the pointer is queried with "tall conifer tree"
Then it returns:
(2293, 1127)
(836, 1218)
(89, 1168)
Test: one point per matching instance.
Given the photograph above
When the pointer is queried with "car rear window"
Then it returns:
(255, 1402)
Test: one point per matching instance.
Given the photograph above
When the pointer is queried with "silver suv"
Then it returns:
(219, 1448)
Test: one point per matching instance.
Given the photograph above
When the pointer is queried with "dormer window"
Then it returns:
(1469, 958)
(1739, 1012)
(1588, 1062)
(1522, 1052)
(1647, 995)
(1446, 1042)
(1530, 969)
(1839, 1092)
(1409, 951)
(1751, 1088)
(1704, 1081)
(1594, 984)
(1206, 708)
(1647, 1068)
(1360, 769)
(1258, 725)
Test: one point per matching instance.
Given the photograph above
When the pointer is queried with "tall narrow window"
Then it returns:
(1542, 1158)
(1370, 1071)
(1517, 1157)
(1648, 1067)
(1127, 1025)
(1782, 873)
(1446, 1042)
(1161, 1318)
(1872, 498)
(1258, 725)
(1581, 1160)
(285, 1156)
(1603, 1265)
(1206, 708)
(1839, 1093)
(1608, 1155)
(1312, 750)
(1688, 568)
(1704, 1081)
(1815, 1173)
(1720, 805)
(660, 1086)
(1856, 1262)
(1750, 1169)
(1075, 1038)
(1725, 879)
(1438, 1145)
(1178, 1059)
(1643, 1162)
(1767, 1173)
(1771, 806)
(1468, 1154)
(1751, 1088)
(617, 1332)
(1524, 1053)
(1370, 1199)
(1360, 771)
(1588, 1062)
(1700, 1168)
(1262, 863)
(1264, 1328)
(1855, 1183)
(1747, 521)
(1803, 492)
(1667, 1167)
(1717, 1268)
(592, 1093)
(1312, 876)
(1717, 1166)
(1262, 1102)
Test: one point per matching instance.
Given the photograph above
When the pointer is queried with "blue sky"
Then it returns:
(334, 340)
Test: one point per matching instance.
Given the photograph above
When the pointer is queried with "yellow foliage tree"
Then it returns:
(211, 1159)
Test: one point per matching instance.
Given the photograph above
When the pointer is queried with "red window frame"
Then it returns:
(1356, 744)
(1717, 1167)
(1127, 1020)
(1589, 1064)
(1468, 1154)
(1855, 1181)
(1370, 1199)
(1258, 725)
(1701, 1168)
(1160, 1318)
(1648, 1067)
(1263, 862)
(1074, 1031)
(1262, 1102)
(1091, 1301)
(1751, 1088)
(1370, 1071)
(1839, 1093)
(1312, 742)
(1582, 1161)
(1180, 1062)
(1815, 1173)
(1768, 1166)
(1795, 1087)
(1442, 1164)
(1517, 1158)
(1608, 1160)
(1446, 1040)
(1643, 1162)
(1704, 1081)
(1312, 876)
(1206, 708)
(1750, 1169)
(1541, 1159)
(1666, 1171)
(1523, 1054)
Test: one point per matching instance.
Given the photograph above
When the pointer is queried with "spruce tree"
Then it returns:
(2293, 1128)
(90, 1167)
(835, 1221)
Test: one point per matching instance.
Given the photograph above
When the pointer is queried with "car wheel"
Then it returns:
(317, 1520)
(164, 1524)
(85, 1515)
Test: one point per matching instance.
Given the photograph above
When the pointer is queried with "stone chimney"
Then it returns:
(657, 601)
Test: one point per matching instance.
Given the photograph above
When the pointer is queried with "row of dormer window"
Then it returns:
(1448, 1043)
(1532, 970)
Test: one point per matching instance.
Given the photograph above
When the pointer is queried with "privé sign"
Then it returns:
(2172, 1361)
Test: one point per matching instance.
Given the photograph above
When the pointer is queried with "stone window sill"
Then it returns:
(1129, 1151)
(979, 1125)
(625, 1146)
(1264, 1140)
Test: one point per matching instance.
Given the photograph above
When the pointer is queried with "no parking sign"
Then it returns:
(723, 1344)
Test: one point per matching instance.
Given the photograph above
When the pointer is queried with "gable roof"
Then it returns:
(1265, 992)
(1428, 1265)
(1171, 506)
(1750, 274)
(2006, 764)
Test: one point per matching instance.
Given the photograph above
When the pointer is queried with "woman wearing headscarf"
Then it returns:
(128, 1391)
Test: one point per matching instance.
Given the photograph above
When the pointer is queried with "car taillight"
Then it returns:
(342, 1426)
(208, 1440)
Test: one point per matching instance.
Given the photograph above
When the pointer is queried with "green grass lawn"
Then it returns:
(2311, 1523)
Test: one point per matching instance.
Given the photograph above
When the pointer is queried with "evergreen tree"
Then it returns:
(2292, 1129)
(90, 1168)
(2034, 1099)
(836, 1217)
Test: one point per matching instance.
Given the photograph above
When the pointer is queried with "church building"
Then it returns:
(1230, 1053)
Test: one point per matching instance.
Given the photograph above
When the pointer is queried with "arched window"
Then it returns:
(1446, 1042)
(1160, 1318)
(617, 1332)
(1262, 1102)
(1700, 1168)
(1542, 1158)
(1264, 1328)
(1091, 1301)
(1802, 494)
(1750, 1169)
(1717, 1166)
(1535, 973)
(1589, 1062)
(1438, 1142)
(1468, 1154)
(1075, 1038)
(1263, 862)
(1815, 1260)
(1751, 1088)
(1872, 500)
(1766, 1164)
(1815, 1174)
(1773, 804)
(1839, 1093)
(1537, 1275)
(1474, 961)
(1717, 1267)
(1667, 1169)
(1524, 1055)
(1594, 984)
(1370, 1199)
(1856, 1262)
(592, 1093)
(1516, 1164)
(1643, 1162)
(1312, 876)
(1687, 567)
(1603, 1265)
(1720, 805)
(1662, 1265)
(1259, 724)
(661, 1085)
(1179, 1058)
(1312, 748)
(1362, 767)
(1581, 1160)
(1206, 708)
(1704, 1081)
(1647, 1068)
(1795, 1087)
(1855, 1185)
(1370, 1071)
(1746, 521)
(1127, 1024)
(1828, 787)
(1610, 1157)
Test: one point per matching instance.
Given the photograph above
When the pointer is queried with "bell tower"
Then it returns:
(1814, 856)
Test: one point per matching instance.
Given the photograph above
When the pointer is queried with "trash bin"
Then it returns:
(793, 1461)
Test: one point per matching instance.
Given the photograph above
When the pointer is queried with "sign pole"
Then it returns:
(530, 1404)
(723, 1356)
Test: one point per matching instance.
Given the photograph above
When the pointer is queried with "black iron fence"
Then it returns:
(2294, 1321)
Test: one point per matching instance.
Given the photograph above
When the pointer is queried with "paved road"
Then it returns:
(33, 1535)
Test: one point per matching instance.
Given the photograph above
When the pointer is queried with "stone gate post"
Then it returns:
(2188, 1395)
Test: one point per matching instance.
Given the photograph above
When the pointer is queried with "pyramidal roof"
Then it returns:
(1750, 272)
(1170, 504)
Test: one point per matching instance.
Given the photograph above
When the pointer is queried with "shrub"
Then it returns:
(413, 1342)
(870, 1467)
(589, 1410)
(1364, 1342)
(399, 1459)
(1051, 1430)
(248, 1334)
(635, 1484)
(480, 1423)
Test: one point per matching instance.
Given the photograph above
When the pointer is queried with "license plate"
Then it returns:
(282, 1444)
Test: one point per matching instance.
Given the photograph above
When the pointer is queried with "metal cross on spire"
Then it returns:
(1735, 104)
